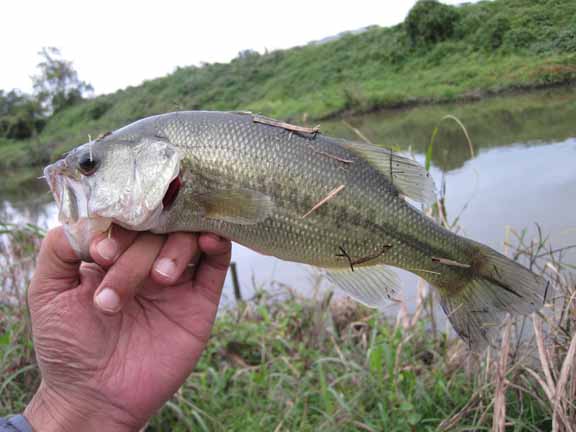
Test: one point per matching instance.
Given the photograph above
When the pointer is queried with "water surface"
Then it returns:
(523, 173)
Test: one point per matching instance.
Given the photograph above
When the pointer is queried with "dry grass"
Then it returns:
(329, 364)
(18, 247)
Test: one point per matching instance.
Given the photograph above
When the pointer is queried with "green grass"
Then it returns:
(329, 364)
(496, 46)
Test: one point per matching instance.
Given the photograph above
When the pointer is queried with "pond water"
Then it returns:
(523, 173)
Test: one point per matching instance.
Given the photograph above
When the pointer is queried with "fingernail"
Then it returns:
(107, 249)
(166, 267)
(108, 300)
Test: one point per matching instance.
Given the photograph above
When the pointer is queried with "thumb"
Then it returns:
(57, 268)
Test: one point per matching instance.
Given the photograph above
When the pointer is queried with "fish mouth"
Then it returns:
(84, 212)
(52, 174)
(70, 195)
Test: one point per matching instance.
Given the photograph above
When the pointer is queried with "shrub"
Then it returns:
(396, 49)
(563, 41)
(441, 52)
(429, 22)
(98, 108)
(470, 21)
(20, 115)
(519, 38)
(566, 40)
(491, 35)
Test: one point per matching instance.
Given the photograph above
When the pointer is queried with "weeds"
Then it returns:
(331, 364)
(18, 372)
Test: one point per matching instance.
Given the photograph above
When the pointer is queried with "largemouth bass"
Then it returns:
(293, 193)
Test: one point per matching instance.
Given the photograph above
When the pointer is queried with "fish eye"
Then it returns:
(87, 164)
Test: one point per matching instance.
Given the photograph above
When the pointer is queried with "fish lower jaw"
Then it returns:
(81, 233)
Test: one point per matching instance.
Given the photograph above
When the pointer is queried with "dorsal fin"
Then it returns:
(407, 175)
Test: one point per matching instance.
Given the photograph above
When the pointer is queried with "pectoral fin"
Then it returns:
(237, 206)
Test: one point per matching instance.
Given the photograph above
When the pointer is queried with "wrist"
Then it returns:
(49, 412)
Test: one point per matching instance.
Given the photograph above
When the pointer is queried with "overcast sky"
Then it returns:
(118, 43)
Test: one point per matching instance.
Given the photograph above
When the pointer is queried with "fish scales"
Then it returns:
(364, 217)
(293, 193)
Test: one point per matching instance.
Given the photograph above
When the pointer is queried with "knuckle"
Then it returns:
(54, 234)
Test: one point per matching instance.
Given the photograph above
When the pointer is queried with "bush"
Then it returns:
(519, 38)
(429, 22)
(20, 116)
(566, 41)
(395, 50)
(98, 108)
(441, 52)
(470, 21)
(563, 41)
(491, 35)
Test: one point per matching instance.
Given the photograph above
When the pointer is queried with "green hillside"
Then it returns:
(440, 53)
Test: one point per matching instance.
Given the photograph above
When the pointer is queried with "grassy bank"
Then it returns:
(492, 47)
(332, 365)
(529, 118)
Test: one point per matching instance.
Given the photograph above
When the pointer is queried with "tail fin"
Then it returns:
(499, 286)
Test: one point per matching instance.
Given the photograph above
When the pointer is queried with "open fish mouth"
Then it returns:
(70, 195)
(84, 213)
(73, 212)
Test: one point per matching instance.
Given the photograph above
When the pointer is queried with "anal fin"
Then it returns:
(374, 286)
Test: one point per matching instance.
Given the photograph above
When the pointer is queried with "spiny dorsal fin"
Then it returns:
(409, 177)
(238, 206)
(373, 286)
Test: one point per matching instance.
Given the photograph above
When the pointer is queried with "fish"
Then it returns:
(347, 208)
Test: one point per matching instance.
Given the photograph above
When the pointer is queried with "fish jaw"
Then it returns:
(71, 195)
(81, 233)
(131, 188)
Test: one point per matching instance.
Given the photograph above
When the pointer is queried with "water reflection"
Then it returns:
(527, 120)
(37, 211)
(523, 174)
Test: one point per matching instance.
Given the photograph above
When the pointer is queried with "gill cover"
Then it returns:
(132, 181)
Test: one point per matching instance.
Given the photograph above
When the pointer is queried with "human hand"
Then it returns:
(110, 359)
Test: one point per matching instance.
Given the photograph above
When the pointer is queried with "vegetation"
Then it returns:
(57, 86)
(441, 53)
(329, 364)
(430, 22)
(332, 365)
(20, 115)
(282, 362)
(23, 116)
